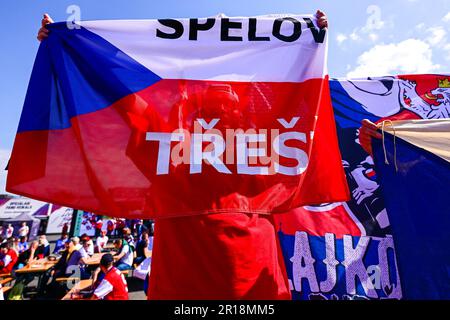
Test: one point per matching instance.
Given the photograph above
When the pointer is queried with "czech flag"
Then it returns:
(178, 117)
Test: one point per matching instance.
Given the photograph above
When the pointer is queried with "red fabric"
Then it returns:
(11, 265)
(217, 256)
(119, 284)
(114, 172)
(317, 223)
(402, 115)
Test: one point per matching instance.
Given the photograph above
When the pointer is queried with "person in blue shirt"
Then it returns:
(61, 243)
(23, 244)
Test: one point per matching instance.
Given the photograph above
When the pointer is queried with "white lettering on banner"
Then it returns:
(288, 125)
(251, 146)
(244, 152)
(374, 273)
(283, 150)
(354, 266)
(213, 156)
(165, 140)
(208, 126)
(303, 263)
(372, 278)
(386, 245)
(331, 263)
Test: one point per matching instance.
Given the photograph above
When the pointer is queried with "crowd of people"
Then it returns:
(132, 245)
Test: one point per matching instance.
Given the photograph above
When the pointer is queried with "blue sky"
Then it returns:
(367, 38)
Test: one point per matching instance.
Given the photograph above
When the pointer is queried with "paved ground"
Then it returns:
(135, 286)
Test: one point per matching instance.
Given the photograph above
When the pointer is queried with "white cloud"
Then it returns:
(446, 18)
(447, 51)
(370, 31)
(436, 36)
(409, 56)
(4, 157)
(355, 35)
(373, 36)
(420, 26)
(341, 38)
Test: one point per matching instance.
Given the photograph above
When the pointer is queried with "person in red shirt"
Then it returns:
(216, 256)
(113, 286)
(8, 258)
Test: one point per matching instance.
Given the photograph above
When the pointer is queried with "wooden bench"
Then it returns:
(127, 273)
(6, 281)
(5, 292)
(65, 279)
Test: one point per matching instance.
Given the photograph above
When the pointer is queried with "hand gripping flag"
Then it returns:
(173, 117)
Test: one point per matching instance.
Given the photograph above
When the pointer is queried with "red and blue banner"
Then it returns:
(347, 251)
(178, 117)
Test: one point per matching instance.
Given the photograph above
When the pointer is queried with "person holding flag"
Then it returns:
(216, 256)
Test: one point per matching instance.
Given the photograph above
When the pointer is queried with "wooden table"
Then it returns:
(81, 285)
(39, 266)
(95, 259)
(109, 246)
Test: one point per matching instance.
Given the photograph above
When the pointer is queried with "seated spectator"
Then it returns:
(77, 243)
(29, 255)
(69, 258)
(126, 233)
(89, 244)
(23, 244)
(15, 245)
(85, 251)
(85, 254)
(8, 258)
(144, 248)
(25, 258)
(124, 258)
(44, 247)
(66, 266)
(101, 241)
(61, 243)
(113, 285)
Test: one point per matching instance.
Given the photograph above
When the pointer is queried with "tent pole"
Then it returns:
(73, 222)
